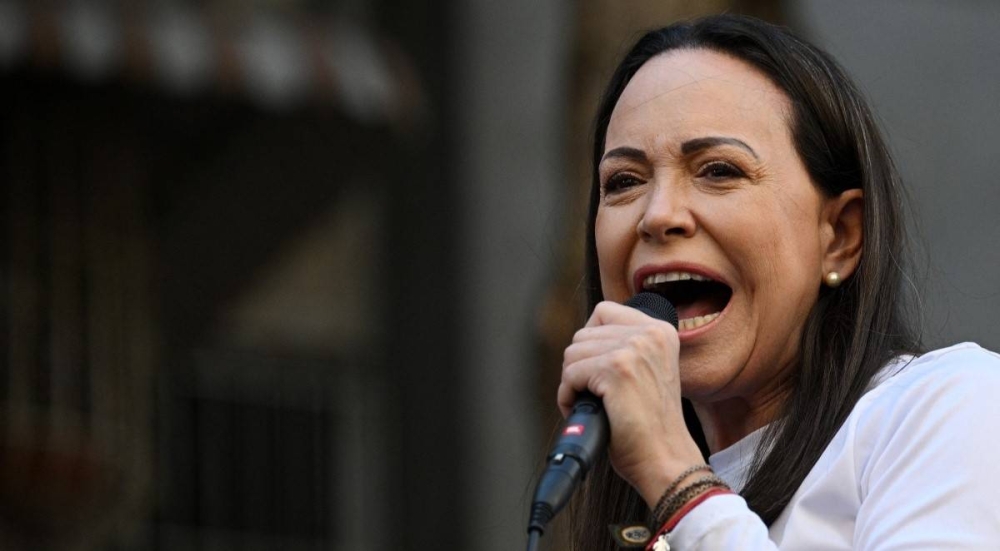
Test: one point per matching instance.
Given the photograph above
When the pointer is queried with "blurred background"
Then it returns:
(297, 274)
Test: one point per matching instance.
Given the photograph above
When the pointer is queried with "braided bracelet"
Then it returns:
(675, 502)
(677, 482)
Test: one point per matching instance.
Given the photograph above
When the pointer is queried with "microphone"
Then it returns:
(583, 437)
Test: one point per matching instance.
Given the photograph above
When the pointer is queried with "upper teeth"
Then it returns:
(664, 277)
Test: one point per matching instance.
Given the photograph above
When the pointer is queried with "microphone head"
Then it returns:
(654, 306)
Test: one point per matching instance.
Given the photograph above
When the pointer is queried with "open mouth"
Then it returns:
(697, 298)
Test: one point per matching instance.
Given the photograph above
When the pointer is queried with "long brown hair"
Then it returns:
(853, 330)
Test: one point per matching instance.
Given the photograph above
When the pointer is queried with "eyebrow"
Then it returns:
(698, 144)
(687, 148)
(625, 153)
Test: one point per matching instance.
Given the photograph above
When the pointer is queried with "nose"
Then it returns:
(667, 214)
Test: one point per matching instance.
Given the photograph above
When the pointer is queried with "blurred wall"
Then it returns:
(930, 69)
(509, 109)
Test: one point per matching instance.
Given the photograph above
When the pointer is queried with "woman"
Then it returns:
(739, 173)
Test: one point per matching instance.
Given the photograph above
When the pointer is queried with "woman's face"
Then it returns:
(700, 181)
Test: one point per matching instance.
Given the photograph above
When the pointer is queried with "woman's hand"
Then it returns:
(630, 361)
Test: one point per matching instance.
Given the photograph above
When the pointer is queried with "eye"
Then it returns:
(720, 170)
(620, 181)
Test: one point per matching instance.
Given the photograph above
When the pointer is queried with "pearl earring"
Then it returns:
(832, 279)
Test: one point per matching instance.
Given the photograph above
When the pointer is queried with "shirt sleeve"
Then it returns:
(928, 460)
(720, 522)
(924, 451)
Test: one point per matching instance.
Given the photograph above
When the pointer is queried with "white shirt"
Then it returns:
(916, 465)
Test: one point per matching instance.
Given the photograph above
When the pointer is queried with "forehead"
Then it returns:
(686, 93)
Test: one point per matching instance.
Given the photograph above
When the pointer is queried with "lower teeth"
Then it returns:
(695, 322)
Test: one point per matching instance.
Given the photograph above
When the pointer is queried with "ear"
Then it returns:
(843, 233)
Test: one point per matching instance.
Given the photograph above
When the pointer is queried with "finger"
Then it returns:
(647, 336)
(575, 378)
(592, 347)
(596, 374)
(603, 332)
(612, 313)
(565, 398)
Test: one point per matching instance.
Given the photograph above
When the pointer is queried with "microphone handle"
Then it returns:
(583, 437)
(585, 434)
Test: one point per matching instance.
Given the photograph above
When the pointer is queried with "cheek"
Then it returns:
(612, 239)
(787, 258)
(801, 245)
(775, 247)
(788, 222)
